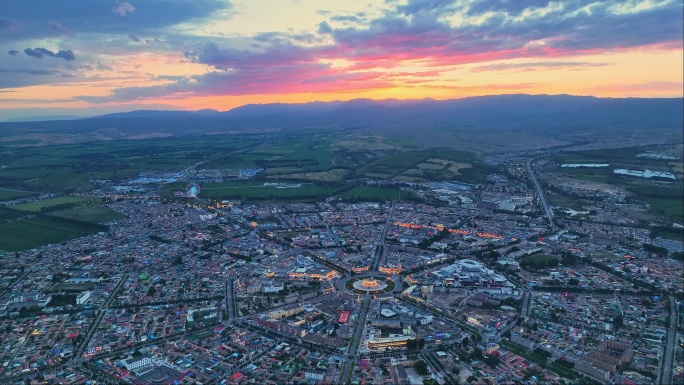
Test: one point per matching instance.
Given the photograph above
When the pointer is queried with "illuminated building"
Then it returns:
(390, 269)
(393, 341)
(317, 274)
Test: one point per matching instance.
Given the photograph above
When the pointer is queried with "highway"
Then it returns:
(542, 198)
(670, 346)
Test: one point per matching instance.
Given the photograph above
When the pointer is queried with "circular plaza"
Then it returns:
(369, 285)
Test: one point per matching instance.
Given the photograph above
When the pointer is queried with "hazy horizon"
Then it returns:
(93, 58)
(27, 115)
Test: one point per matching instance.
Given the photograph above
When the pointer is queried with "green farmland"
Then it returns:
(73, 167)
(37, 206)
(250, 191)
(8, 195)
(374, 193)
(94, 214)
(29, 233)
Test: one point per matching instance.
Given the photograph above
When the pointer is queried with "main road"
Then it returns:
(101, 313)
(542, 198)
(670, 346)
(380, 248)
(352, 353)
(230, 298)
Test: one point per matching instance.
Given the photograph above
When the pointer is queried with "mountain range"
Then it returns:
(562, 113)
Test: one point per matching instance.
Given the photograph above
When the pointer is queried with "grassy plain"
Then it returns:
(673, 208)
(430, 164)
(94, 214)
(258, 191)
(8, 195)
(375, 193)
(326, 176)
(47, 203)
(72, 167)
(29, 233)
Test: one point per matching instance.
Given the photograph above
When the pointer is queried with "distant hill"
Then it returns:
(499, 110)
(43, 118)
(563, 114)
(157, 114)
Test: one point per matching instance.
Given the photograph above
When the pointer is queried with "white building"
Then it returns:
(313, 374)
(136, 363)
(83, 297)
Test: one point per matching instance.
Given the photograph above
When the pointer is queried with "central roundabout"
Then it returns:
(370, 285)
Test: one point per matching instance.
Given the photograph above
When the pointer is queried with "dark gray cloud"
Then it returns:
(530, 66)
(58, 27)
(39, 53)
(81, 16)
(324, 28)
(358, 18)
(417, 6)
(513, 7)
(22, 77)
(242, 80)
(7, 23)
(134, 37)
(13, 52)
(96, 66)
(43, 72)
(419, 29)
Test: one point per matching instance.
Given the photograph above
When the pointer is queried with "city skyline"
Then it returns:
(90, 58)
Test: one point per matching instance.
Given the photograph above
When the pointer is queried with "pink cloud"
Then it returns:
(123, 9)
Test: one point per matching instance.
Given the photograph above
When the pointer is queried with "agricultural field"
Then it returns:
(326, 176)
(7, 213)
(94, 214)
(670, 207)
(29, 233)
(289, 159)
(8, 195)
(74, 167)
(48, 204)
(297, 156)
(360, 142)
(600, 175)
(665, 196)
(425, 165)
(374, 193)
(260, 191)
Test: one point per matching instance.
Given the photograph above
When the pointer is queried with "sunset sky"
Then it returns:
(87, 57)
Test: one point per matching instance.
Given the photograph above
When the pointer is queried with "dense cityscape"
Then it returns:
(483, 283)
(359, 192)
